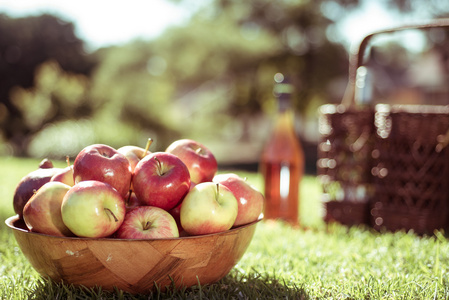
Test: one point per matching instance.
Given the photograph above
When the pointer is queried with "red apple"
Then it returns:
(208, 208)
(45, 164)
(134, 154)
(65, 176)
(103, 163)
(250, 200)
(161, 179)
(30, 183)
(42, 213)
(93, 209)
(175, 212)
(148, 222)
(199, 160)
(131, 201)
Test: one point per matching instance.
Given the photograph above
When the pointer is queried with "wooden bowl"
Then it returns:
(135, 266)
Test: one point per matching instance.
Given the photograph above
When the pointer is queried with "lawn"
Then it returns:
(319, 262)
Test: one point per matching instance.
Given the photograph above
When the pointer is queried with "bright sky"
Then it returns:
(373, 17)
(105, 22)
(370, 17)
(108, 22)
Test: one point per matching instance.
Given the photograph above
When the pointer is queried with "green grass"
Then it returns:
(321, 262)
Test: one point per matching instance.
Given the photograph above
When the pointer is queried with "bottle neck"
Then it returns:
(283, 144)
(284, 104)
(285, 116)
(285, 121)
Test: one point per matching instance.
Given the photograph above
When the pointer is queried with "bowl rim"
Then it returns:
(10, 222)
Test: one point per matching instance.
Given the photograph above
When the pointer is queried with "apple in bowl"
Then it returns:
(65, 176)
(198, 158)
(208, 208)
(122, 242)
(30, 183)
(250, 200)
(93, 209)
(148, 222)
(134, 153)
(42, 213)
(161, 179)
(103, 163)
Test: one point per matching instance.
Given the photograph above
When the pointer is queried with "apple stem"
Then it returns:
(129, 196)
(67, 159)
(147, 225)
(217, 195)
(111, 213)
(159, 166)
(149, 142)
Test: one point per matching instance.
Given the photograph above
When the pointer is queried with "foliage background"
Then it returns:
(210, 80)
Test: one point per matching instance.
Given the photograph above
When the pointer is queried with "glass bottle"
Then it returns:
(282, 160)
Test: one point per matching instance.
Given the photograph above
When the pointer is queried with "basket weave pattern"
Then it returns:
(410, 173)
(343, 166)
(385, 167)
(389, 160)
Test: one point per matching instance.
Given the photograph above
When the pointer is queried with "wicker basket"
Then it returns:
(411, 168)
(386, 165)
(344, 164)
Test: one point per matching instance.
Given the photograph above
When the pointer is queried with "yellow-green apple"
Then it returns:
(199, 160)
(208, 208)
(42, 213)
(148, 222)
(161, 179)
(250, 200)
(103, 163)
(93, 209)
(65, 176)
(30, 183)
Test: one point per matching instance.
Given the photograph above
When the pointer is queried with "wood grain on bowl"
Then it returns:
(134, 266)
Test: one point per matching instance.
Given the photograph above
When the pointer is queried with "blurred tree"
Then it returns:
(241, 45)
(61, 117)
(202, 78)
(26, 43)
(56, 96)
(125, 90)
(210, 79)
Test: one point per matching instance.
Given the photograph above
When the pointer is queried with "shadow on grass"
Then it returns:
(251, 286)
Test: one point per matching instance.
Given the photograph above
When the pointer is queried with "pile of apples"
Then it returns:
(132, 193)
